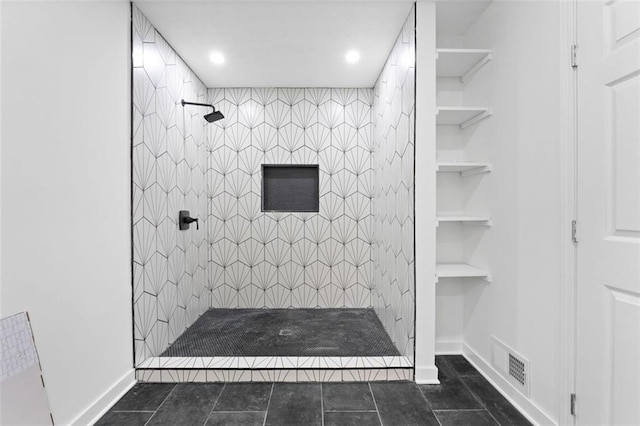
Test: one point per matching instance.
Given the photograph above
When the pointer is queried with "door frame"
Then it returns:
(568, 208)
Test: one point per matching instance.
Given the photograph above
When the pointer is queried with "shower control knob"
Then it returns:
(184, 220)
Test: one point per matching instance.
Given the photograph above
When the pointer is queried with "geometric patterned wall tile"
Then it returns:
(281, 260)
(169, 159)
(392, 208)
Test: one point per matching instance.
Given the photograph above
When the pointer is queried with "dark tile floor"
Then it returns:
(284, 332)
(464, 397)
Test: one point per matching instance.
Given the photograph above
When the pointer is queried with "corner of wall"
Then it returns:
(425, 202)
(526, 406)
(394, 184)
(105, 401)
(169, 170)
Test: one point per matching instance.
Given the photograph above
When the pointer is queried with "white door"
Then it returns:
(608, 288)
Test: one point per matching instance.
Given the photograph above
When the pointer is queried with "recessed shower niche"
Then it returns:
(290, 188)
(304, 200)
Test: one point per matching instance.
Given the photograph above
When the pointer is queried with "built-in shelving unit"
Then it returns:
(465, 168)
(471, 220)
(461, 116)
(461, 63)
(460, 270)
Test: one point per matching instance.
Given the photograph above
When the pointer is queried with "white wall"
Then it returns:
(65, 193)
(522, 194)
(425, 197)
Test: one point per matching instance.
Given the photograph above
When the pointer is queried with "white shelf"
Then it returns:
(471, 220)
(461, 116)
(460, 270)
(461, 63)
(464, 168)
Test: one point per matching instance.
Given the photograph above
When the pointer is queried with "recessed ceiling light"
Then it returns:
(217, 58)
(352, 56)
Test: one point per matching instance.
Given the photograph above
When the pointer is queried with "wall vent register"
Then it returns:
(517, 369)
(290, 188)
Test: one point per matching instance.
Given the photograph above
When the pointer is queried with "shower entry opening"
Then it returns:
(300, 266)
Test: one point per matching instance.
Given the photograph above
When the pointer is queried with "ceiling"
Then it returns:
(299, 43)
(281, 44)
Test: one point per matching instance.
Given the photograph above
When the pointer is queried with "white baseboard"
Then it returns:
(449, 348)
(527, 407)
(426, 375)
(101, 405)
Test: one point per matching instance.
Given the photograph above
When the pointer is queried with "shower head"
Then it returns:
(212, 116)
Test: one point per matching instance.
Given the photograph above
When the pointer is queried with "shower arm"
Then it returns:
(212, 116)
(183, 102)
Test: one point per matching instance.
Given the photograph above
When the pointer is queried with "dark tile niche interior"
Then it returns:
(290, 188)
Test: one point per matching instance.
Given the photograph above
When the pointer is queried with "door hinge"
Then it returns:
(574, 231)
(574, 56)
(573, 404)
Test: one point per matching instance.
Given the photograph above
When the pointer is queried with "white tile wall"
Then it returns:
(393, 206)
(290, 260)
(169, 164)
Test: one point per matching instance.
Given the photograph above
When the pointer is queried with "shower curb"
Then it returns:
(158, 375)
(274, 369)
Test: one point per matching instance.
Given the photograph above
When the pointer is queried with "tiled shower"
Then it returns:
(291, 260)
(356, 252)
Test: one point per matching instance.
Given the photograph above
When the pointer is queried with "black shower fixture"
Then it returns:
(185, 221)
(212, 116)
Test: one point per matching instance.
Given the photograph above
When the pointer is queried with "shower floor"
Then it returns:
(284, 332)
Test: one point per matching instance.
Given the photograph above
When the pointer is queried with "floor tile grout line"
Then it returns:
(464, 383)
(425, 396)
(437, 418)
(266, 412)
(321, 406)
(375, 404)
(163, 401)
(493, 417)
(213, 407)
(461, 409)
(478, 398)
(428, 403)
(497, 423)
(461, 380)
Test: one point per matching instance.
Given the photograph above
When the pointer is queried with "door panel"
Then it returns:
(608, 304)
(624, 152)
(622, 320)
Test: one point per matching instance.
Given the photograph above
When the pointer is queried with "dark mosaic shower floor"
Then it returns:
(284, 332)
